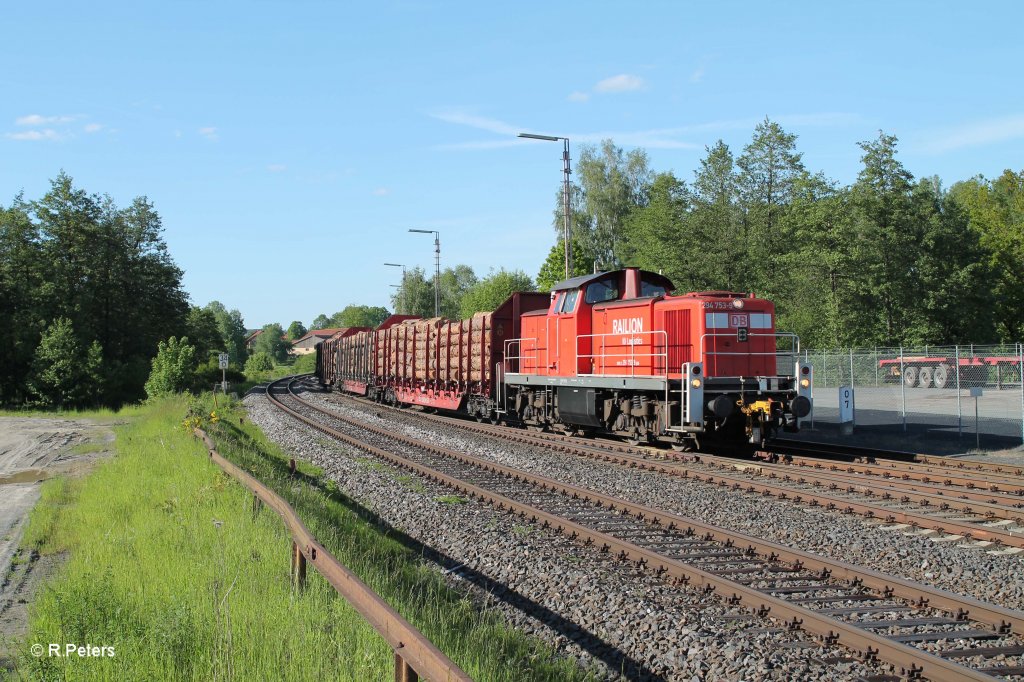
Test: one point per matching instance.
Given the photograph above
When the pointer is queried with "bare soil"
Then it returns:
(32, 450)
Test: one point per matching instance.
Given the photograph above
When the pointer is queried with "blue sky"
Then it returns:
(290, 146)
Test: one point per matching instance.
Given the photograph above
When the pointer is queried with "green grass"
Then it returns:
(392, 565)
(168, 564)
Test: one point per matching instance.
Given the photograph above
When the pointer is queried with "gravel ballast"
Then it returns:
(951, 566)
(611, 617)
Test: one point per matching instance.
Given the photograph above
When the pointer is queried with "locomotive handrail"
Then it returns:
(793, 354)
(519, 358)
(632, 355)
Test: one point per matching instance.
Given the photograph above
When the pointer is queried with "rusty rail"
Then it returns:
(415, 656)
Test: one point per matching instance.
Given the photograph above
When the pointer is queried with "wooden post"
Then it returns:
(404, 671)
(298, 567)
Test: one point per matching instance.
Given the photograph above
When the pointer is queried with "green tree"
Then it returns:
(173, 368)
(321, 322)
(22, 299)
(204, 332)
(296, 330)
(659, 236)
(996, 214)
(359, 316)
(614, 183)
(493, 290)
(258, 363)
(552, 271)
(888, 244)
(273, 342)
(416, 294)
(769, 167)
(232, 331)
(64, 374)
(715, 223)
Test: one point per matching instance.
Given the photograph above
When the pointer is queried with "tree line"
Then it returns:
(87, 292)
(884, 261)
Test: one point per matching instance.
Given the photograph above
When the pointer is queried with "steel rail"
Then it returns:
(1007, 484)
(980, 505)
(414, 653)
(897, 458)
(967, 529)
(870, 645)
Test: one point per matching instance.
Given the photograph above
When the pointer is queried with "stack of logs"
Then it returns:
(440, 350)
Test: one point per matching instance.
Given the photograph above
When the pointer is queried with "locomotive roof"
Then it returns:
(582, 280)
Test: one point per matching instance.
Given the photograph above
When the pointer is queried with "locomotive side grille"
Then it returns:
(680, 348)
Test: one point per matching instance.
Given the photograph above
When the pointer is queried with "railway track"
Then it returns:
(921, 630)
(811, 452)
(990, 521)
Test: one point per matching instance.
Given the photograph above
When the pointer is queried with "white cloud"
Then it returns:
(209, 132)
(93, 127)
(381, 192)
(37, 120)
(698, 74)
(678, 137)
(974, 134)
(465, 118)
(624, 82)
(578, 96)
(276, 167)
(36, 135)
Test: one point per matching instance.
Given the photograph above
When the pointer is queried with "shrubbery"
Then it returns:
(172, 368)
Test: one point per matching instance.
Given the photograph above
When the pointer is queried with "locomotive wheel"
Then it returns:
(941, 375)
(910, 376)
(924, 377)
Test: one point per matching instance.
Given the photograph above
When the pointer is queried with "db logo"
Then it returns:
(738, 320)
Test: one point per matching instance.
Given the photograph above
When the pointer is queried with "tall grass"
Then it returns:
(393, 566)
(168, 564)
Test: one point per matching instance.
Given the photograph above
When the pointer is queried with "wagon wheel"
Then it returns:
(910, 376)
(941, 375)
(924, 377)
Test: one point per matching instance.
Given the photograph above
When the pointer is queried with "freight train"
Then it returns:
(611, 353)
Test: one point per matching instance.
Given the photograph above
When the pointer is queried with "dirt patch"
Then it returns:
(32, 450)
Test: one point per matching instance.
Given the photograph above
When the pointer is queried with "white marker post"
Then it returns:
(847, 419)
(223, 359)
(976, 392)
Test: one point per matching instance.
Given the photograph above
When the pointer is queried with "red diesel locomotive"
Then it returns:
(613, 352)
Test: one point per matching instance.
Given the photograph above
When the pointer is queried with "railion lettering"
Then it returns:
(630, 325)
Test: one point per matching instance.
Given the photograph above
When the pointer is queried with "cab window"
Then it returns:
(569, 301)
(556, 302)
(651, 289)
(602, 290)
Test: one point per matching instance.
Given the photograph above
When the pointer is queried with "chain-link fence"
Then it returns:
(971, 396)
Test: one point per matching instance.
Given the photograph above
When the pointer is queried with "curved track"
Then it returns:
(915, 627)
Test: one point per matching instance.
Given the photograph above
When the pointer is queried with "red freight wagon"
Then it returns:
(941, 372)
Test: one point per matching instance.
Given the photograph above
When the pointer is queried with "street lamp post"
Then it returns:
(566, 170)
(401, 299)
(437, 268)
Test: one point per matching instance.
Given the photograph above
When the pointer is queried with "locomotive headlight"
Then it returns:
(695, 383)
(805, 383)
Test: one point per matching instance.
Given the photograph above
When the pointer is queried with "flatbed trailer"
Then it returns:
(941, 371)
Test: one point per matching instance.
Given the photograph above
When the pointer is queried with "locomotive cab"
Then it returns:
(615, 351)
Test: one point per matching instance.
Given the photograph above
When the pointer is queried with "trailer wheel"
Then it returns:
(910, 376)
(941, 375)
(924, 377)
